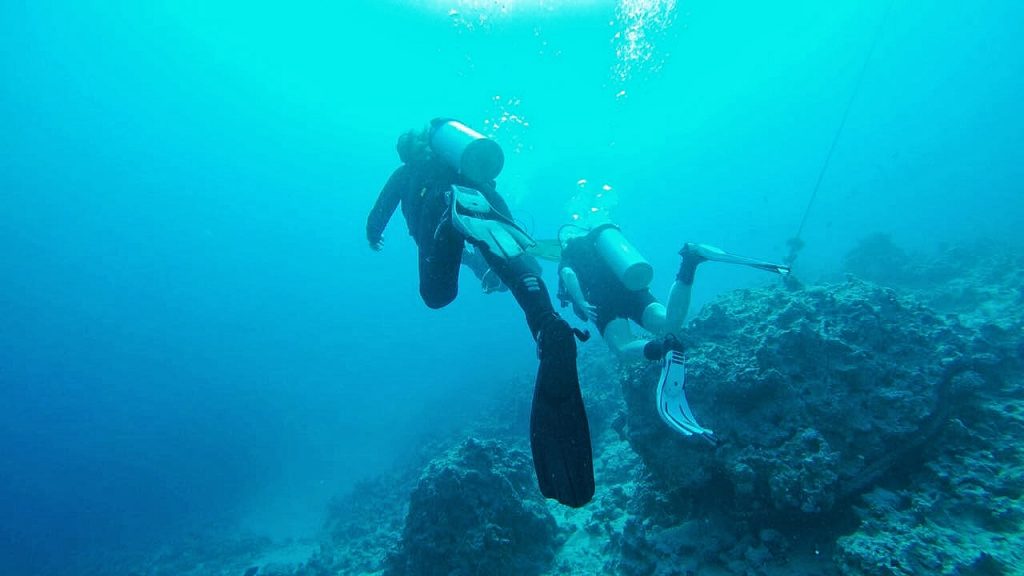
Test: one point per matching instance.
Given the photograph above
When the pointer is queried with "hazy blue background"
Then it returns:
(192, 329)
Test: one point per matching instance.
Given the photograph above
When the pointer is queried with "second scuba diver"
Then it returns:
(446, 189)
(606, 280)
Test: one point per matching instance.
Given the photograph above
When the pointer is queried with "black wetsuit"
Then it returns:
(559, 431)
(422, 191)
(599, 284)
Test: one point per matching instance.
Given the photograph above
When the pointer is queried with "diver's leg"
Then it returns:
(678, 304)
(522, 276)
(622, 342)
(559, 430)
(682, 288)
(439, 261)
(653, 318)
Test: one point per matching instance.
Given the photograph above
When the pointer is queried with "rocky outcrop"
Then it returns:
(862, 430)
(476, 510)
(813, 394)
(961, 513)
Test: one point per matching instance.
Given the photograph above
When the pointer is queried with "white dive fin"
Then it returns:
(671, 398)
(718, 255)
(475, 218)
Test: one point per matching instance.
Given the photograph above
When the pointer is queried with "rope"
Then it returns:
(795, 243)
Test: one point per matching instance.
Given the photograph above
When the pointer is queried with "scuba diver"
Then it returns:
(446, 188)
(606, 280)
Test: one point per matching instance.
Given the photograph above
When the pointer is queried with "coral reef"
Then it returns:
(813, 393)
(477, 511)
(865, 428)
(364, 527)
(876, 258)
(862, 431)
(961, 513)
(981, 283)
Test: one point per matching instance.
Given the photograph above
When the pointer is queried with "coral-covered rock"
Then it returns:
(863, 430)
(812, 394)
(963, 513)
(362, 526)
(476, 510)
(982, 283)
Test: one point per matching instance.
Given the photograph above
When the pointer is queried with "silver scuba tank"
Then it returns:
(473, 155)
(623, 258)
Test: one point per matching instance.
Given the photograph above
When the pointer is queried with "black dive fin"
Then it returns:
(559, 432)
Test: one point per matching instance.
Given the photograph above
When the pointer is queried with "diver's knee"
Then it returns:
(436, 299)
(614, 345)
(531, 284)
(437, 303)
(654, 318)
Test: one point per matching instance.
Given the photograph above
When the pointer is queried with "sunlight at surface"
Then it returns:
(513, 6)
(473, 15)
(637, 26)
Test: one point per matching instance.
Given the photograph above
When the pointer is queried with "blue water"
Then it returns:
(194, 332)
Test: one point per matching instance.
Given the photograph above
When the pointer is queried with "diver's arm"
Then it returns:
(583, 309)
(385, 206)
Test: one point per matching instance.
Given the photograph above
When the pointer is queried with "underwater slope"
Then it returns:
(863, 430)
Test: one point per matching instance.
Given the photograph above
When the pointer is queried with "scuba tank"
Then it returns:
(622, 257)
(476, 157)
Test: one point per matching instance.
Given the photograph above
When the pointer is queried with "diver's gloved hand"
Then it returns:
(491, 283)
(377, 245)
(656, 349)
(585, 311)
(691, 257)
